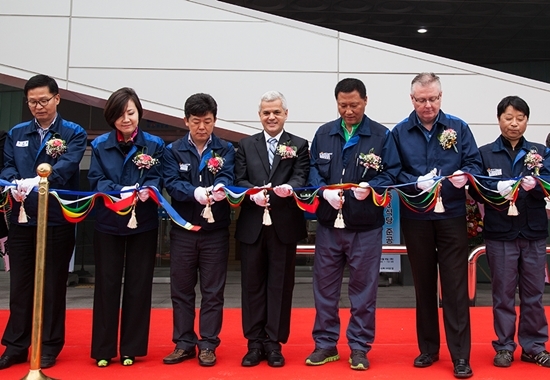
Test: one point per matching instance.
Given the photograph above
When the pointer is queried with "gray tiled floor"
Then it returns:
(394, 296)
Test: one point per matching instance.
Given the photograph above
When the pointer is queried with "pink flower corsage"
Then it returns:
(370, 161)
(144, 161)
(55, 147)
(533, 161)
(215, 163)
(447, 139)
(285, 150)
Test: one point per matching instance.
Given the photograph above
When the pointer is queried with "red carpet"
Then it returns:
(391, 356)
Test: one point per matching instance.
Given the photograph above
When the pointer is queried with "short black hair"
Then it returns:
(348, 85)
(514, 101)
(117, 102)
(199, 105)
(41, 80)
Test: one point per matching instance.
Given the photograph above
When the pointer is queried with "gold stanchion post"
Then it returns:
(43, 170)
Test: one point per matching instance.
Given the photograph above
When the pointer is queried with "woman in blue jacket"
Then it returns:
(122, 161)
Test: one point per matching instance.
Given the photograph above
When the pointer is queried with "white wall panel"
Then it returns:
(36, 44)
(309, 95)
(158, 9)
(362, 58)
(199, 45)
(35, 7)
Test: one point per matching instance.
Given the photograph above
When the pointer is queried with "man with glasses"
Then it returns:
(45, 139)
(432, 144)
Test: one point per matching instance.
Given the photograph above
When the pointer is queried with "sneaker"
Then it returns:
(358, 360)
(322, 356)
(542, 358)
(207, 357)
(503, 358)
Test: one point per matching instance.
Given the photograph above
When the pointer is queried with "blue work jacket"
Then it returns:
(185, 170)
(531, 222)
(111, 170)
(420, 155)
(333, 161)
(23, 152)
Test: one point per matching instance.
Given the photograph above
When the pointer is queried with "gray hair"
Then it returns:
(271, 96)
(425, 79)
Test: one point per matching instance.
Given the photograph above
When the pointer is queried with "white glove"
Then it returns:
(143, 194)
(505, 188)
(260, 199)
(426, 181)
(459, 179)
(362, 192)
(201, 195)
(16, 194)
(27, 184)
(528, 183)
(333, 198)
(283, 191)
(217, 192)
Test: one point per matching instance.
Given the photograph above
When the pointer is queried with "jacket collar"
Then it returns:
(362, 129)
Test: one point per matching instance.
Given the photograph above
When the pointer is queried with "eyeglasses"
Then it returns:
(42, 102)
(433, 99)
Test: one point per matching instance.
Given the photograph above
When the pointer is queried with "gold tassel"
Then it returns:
(339, 221)
(513, 210)
(206, 213)
(132, 223)
(22, 214)
(267, 217)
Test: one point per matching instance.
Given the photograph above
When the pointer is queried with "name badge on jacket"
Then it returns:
(494, 172)
(184, 167)
(22, 144)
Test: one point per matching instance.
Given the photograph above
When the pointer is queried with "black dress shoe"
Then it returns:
(7, 361)
(462, 369)
(253, 357)
(275, 358)
(47, 361)
(425, 360)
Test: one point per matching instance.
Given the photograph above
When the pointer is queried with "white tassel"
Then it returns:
(513, 210)
(206, 213)
(22, 214)
(439, 208)
(339, 221)
(132, 223)
(266, 218)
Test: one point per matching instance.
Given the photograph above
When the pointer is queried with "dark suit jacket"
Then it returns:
(252, 169)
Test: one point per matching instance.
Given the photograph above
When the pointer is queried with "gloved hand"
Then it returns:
(143, 194)
(16, 194)
(426, 181)
(528, 183)
(362, 192)
(333, 198)
(201, 195)
(217, 192)
(125, 194)
(283, 191)
(260, 199)
(505, 188)
(458, 179)
(26, 185)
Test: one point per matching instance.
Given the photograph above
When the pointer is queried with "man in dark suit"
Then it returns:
(277, 160)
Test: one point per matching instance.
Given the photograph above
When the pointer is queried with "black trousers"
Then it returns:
(193, 254)
(133, 255)
(443, 244)
(267, 281)
(59, 249)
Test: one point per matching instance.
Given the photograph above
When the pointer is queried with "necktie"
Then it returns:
(271, 151)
